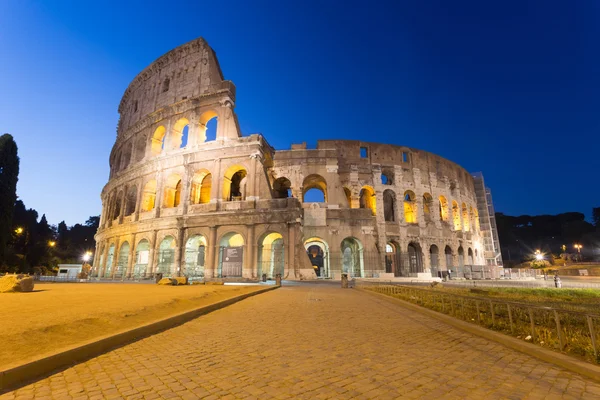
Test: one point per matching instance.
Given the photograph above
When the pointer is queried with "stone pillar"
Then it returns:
(104, 259)
(178, 250)
(130, 260)
(290, 250)
(252, 194)
(151, 269)
(186, 180)
(213, 248)
(123, 203)
(115, 259)
(250, 268)
(159, 194)
(217, 182)
(138, 203)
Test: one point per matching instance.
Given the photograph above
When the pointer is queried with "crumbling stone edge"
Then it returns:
(569, 363)
(21, 375)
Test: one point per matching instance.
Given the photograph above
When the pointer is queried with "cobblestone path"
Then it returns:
(312, 342)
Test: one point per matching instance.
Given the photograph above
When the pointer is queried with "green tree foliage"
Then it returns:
(9, 175)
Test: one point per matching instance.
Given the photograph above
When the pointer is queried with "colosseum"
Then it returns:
(189, 195)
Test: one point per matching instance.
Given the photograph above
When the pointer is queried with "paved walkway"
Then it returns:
(312, 342)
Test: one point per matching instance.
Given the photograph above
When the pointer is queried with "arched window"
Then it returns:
(456, 215)
(352, 257)
(271, 256)
(443, 209)
(122, 261)
(179, 135)
(348, 195)
(234, 184)
(201, 187)
(470, 259)
(389, 205)
(466, 219)
(131, 200)
(231, 255)
(435, 262)
(427, 204)
(158, 140)
(172, 191)
(126, 155)
(282, 188)
(149, 195)
(118, 205)
(140, 148)
(367, 199)
(448, 254)
(314, 182)
(410, 207)
(166, 256)
(195, 254)
(208, 126)
(142, 253)
(386, 178)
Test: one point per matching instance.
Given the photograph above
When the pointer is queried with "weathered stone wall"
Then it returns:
(164, 190)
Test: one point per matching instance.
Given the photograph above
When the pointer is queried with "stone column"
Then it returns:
(115, 259)
(130, 260)
(151, 255)
(217, 182)
(213, 248)
(186, 180)
(123, 204)
(250, 267)
(138, 202)
(252, 194)
(180, 247)
(104, 259)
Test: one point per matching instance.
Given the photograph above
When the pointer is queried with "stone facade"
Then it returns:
(180, 202)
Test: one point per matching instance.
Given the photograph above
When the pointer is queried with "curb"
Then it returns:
(564, 361)
(15, 377)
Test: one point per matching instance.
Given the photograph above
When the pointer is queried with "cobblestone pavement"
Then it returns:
(312, 342)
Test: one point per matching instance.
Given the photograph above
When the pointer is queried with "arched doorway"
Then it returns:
(461, 257)
(415, 259)
(271, 256)
(352, 258)
(448, 254)
(109, 261)
(122, 261)
(231, 255)
(318, 254)
(282, 188)
(392, 259)
(166, 256)
(195, 254)
(142, 254)
(470, 257)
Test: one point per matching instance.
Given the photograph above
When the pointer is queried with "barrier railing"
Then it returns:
(571, 332)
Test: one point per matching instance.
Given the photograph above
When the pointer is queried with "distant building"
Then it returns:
(487, 218)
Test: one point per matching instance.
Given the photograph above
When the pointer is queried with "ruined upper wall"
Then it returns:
(188, 71)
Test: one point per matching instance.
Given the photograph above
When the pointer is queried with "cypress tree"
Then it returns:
(9, 175)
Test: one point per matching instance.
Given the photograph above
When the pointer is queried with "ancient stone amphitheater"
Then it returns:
(188, 198)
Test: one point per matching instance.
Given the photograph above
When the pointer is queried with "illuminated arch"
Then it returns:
(317, 251)
(201, 187)
(314, 181)
(158, 140)
(195, 255)
(122, 260)
(410, 207)
(166, 256)
(352, 257)
(466, 218)
(172, 191)
(367, 199)
(179, 133)
(443, 209)
(231, 255)
(271, 255)
(149, 195)
(427, 205)
(234, 183)
(456, 215)
(207, 129)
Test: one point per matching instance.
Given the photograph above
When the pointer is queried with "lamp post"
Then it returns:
(578, 247)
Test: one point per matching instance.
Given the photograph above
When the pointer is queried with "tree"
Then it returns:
(9, 175)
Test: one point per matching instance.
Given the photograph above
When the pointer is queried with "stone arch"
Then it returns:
(470, 259)
(172, 191)
(461, 256)
(126, 155)
(282, 188)
(348, 194)
(389, 205)
(140, 148)
(122, 260)
(449, 257)
(434, 260)
(410, 207)
(456, 215)
(392, 258)
(201, 187)
(271, 255)
(465, 218)
(387, 178)
(158, 140)
(317, 251)
(231, 255)
(195, 256)
(208, 124)
(352, 257)
(149, 195)
(427, 206)
(444, 217)
(142, 255)
(234, 183)
(314, 181)
(131, 200)
(367, 199)
(179, 134)
(118, 203)
(166, 256)
(415, 258)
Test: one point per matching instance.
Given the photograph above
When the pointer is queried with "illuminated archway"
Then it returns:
(234, 183)
(410, 207)
(195, 254)
(314, 181)
(317, 251)
(122, 261)
(392, 258)
(231, 255)
(158, 140)
(271, 255)
(427, 205)
(149, 195)
(179, 134)
(201, 187)
(166, 256)
(367, 199)
(456, 215)
(142, 254)
(172, 191)
(466, 218)
(352, 258)
(207, 129)
(443, 209)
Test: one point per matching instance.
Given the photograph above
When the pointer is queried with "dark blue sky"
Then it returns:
(509, 89)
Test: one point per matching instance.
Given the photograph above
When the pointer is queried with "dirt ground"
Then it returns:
(59, 315)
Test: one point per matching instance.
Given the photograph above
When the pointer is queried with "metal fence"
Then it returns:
(573, 332)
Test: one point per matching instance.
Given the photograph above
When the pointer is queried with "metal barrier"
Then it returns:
(573, 332)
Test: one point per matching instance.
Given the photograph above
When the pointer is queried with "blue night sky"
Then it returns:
(509, 89)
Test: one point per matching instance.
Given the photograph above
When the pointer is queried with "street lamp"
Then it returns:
(19, 230)
(86, 256)
(578, 247)
(51, 243)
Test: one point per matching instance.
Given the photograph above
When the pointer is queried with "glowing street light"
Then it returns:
(86, 257)
(539, 257)
(19, 230)
(51, 243)
(578, 247)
